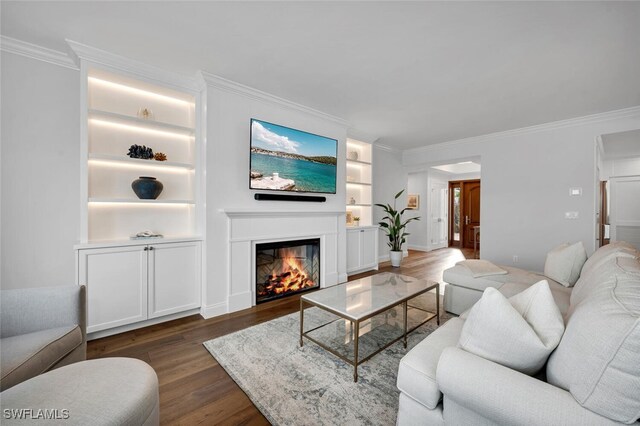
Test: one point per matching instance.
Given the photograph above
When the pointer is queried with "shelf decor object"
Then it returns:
(147, 187)
(137, 151)
(160, 156)
(145, 114)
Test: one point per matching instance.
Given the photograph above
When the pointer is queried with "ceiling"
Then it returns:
(459, 168)
(408, 73)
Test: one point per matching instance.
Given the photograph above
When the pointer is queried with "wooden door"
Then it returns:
(174, 278)
(116, 280)
(455, 214)
(470, 211)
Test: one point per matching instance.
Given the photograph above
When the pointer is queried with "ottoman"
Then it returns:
(108, 391)
(463, 290)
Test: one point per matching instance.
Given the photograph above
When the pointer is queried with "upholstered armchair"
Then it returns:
(41, 329)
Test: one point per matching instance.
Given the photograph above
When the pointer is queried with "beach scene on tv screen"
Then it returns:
(285, 159)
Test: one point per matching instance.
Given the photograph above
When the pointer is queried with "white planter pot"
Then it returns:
(396, 258)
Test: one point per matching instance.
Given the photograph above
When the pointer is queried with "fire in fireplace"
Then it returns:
(286, 267)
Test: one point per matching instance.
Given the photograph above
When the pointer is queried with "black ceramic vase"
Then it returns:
(147, 188)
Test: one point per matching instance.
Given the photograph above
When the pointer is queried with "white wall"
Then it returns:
(418, 183)
(40, 172)
(526, 176)
(389, 178)
(227, 180)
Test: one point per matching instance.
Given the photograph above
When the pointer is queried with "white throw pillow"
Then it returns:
(519, 332)
(564, 263)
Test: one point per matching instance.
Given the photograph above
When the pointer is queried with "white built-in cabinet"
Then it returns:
(362, 249)
(130, 284)
(133, 282)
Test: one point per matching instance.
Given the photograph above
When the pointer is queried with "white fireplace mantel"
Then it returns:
(248, 227)
(278, 213)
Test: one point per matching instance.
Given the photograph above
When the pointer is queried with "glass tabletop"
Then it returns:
(361, 298)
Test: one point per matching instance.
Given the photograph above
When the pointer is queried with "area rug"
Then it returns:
(291, 385)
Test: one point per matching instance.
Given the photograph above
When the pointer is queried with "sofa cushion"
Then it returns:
(417, 370)
(613, 249)
(602, 267)
(519, 332)
(560, 293)
(598, 359)
(28, 355)
(564, 263)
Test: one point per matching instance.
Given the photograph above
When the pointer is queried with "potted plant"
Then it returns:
(394, 226)
(356, 221)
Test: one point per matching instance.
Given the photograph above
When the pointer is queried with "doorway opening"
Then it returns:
(464, 220)
(618, 188)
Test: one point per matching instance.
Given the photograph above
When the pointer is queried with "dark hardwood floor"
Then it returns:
(194, 388)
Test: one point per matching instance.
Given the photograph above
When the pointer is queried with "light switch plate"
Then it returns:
(570, 215)
(575, 192)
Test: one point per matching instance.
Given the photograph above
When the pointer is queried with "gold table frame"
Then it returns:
(355, 324)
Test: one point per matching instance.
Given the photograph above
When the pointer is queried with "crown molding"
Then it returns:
(80, 52)
(386, 147)
(33, 51)
(221, 83)
(571, 122)
(361, 136)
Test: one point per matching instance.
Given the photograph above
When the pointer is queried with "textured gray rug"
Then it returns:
(310, 386)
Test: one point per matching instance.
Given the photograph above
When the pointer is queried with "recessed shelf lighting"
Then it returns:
(139, 129)
(117, 86)
(133, 202)
(137, 164)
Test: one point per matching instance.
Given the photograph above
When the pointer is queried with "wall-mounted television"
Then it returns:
(286, 159)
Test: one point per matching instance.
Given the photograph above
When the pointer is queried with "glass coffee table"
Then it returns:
(364, 307)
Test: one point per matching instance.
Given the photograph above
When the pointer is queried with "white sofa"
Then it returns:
(592, 378)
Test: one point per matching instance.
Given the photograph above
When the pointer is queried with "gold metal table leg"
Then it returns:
(404, 305)
(438, 304)
(355, 350)
(301, 321)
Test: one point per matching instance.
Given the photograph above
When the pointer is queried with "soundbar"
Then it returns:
(287, 197)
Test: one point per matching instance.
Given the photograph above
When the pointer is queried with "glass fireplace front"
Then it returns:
(286, 267)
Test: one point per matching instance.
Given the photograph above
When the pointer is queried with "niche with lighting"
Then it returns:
(362, 235)
(122, 111)
(359, 198)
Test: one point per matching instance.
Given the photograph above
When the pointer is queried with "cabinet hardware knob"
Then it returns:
(146, 248)
(150, 248)
(362, 230)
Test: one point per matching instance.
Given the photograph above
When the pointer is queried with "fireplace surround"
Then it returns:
(284, 268)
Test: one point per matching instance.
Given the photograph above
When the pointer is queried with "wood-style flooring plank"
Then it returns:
(194, 388)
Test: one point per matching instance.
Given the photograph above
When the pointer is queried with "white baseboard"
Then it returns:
(419, 248)
(210, 311)
(343, 278)
(240, 301)
(141, 324)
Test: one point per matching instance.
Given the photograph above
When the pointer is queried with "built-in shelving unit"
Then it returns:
(122, 110)
(359, 174)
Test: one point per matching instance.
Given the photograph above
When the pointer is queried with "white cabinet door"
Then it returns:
(369, 248)
(174, 278)
(353, 250)
(116, 280)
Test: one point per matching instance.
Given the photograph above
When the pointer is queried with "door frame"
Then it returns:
(458, 184)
